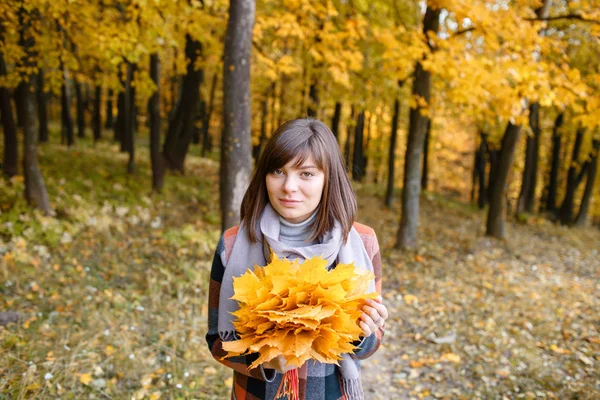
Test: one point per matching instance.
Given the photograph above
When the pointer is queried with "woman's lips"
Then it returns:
(289, 202)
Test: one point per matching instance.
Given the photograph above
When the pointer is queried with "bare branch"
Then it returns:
(463, 31)
(568, 16)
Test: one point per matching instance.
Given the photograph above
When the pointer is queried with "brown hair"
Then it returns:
(298, 139)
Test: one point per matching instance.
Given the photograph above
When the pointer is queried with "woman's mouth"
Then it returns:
(287, 202)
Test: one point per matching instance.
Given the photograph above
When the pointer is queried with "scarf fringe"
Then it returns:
(353, 389)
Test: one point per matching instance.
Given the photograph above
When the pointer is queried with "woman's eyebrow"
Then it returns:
(308, 167)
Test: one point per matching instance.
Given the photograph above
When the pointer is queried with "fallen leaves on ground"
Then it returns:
(516, 318)
(115, 288)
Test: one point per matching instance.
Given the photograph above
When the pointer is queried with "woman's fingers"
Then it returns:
(377, 311)
(368, 324)
(372, 312)
(378, 305)
(365, 328)
(373, 316)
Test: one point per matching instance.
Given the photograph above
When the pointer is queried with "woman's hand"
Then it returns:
(279, 365)
(373, 316)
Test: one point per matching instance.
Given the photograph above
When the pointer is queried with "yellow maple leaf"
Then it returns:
(109, 350)
(410, 299)
(299, 311)
(452, 357)
(85, 378)
(155, 395)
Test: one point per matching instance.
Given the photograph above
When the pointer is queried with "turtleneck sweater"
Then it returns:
(296, 235)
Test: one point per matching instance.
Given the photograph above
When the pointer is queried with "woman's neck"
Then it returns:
(297, 235)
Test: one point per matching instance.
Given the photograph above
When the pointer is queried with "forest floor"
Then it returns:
(112, 293)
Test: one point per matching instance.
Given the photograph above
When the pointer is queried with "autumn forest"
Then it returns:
(470, 129)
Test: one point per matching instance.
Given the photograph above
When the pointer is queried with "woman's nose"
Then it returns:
(290, 184)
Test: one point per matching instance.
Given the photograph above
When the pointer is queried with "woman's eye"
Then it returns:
(308, 174)
(278, 172)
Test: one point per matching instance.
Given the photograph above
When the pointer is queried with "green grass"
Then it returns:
(113, 288)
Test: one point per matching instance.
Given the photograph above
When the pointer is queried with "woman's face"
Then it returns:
(295, 192)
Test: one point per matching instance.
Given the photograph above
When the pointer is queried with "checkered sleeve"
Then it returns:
(369, 345)
(240, 364)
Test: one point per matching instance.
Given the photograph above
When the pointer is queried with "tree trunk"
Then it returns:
(313, 102)
(555, 165)
(282, 93)
(156, 158)
(496, 220)
(130, 117)
(494, 156)
(133, 106)
(271, 106)
(378, 164)
(537, 133)
(80, 105)
(68, 132)
(11, 150)
(358, 160)
(109, 110)
(566, 209)
(529, 182)
(97, 116)
(425, 168)
(335, 122)
(42, 108)
(348, 144)
(19, 105)
(200, 117)
(35, 189)
(174, 84)
(206, 138)
(236, 157)
(589, 185)
(365, 163)
(119, 127)
(389, 196)
(181, 126)
(19, 96)
(263, 130)
(475, 174)
(409, 221)
(479, 172)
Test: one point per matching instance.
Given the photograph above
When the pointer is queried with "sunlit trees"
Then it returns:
(510, 74)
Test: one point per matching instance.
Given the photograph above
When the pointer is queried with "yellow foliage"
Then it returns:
(85, 378)
(299, 311)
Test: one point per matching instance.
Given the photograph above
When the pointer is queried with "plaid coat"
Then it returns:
(318, 381)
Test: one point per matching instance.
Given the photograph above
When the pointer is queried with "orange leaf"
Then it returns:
(299, 311)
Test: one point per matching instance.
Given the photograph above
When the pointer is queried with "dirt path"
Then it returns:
(473, 317)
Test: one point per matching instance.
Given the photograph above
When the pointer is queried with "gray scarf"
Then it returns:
(245, 255)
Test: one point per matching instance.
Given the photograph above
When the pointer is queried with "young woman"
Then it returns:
(300, 204)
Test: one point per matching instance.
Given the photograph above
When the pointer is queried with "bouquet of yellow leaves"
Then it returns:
(298, 311)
